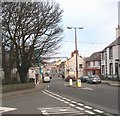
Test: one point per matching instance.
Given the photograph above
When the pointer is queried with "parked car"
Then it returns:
(70, 77)
(84, 78)
(94, 79)
(46, 79)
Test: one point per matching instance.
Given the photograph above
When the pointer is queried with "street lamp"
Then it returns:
(76, 48)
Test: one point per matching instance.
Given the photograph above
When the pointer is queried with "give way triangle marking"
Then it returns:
(6, 109)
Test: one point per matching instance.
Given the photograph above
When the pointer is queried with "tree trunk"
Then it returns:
(8, 79)
(23, 75)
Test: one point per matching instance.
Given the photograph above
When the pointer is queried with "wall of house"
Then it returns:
(71, 65)
(106, 65)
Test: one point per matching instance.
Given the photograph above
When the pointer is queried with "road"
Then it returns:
(59, 99)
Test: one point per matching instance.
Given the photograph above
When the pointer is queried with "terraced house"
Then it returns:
(92, 65)
(110, 58)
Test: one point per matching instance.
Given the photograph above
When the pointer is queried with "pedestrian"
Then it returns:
(36, 76)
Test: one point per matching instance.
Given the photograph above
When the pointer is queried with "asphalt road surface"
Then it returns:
(59, 100)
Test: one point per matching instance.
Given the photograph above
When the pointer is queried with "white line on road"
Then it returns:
(68, 99)
(72, 105)
(73, 101)
(80, 104)
(62, 100)
(88, 107)
(89, 112)
(66, 102)
(6, 109)
(79, 108)
(99, 111)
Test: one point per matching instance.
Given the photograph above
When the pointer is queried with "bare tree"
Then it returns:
(30, 26)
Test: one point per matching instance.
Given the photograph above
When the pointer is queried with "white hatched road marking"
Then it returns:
(79, 108)
(72, 105)
(99, 111)
(6, 109)
(80, 104)
(73, 101)
(68, 101)
(64, 98)
(89, 112)
(88, 107)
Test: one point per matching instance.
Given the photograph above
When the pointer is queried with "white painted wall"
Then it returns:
(71, 65)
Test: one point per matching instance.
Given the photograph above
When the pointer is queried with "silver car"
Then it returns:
(94, 79)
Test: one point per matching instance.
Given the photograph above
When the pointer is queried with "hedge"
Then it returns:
(16, 87)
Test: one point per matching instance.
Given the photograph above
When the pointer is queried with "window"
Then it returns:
(93, 63)
(103, 69)
(111, 68)
(88, 63)
(103, 56)
(110, 53)
(80, 65)
(116, 68)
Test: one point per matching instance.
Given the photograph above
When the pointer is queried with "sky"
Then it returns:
(99, 19)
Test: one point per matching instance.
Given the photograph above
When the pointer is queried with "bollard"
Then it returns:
(70, 82)
(78, 83)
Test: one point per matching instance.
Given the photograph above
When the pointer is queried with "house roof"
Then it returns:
(94, 57)
(116, 42)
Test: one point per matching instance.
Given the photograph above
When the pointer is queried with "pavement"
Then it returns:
(110, 83)
(41, 86)
(38, 87)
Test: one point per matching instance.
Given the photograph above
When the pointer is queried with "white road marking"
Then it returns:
(79, 108)
(99, 111)
(64, 98)
(6, 109)
(66, 102)
(80, 104)
(73, 101)
(58, 110)
(86, 88)
(89, 112)
(63, 110)
(88, 107)
(72, 105)
(68, 99)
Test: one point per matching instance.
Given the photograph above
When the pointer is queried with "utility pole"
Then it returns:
(76, 48)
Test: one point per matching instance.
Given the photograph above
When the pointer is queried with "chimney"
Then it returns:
(118, 31)
(72, 54)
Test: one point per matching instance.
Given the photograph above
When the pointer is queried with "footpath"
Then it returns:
(41, 86)
(108, 82)
(38, 87)
(111, 83)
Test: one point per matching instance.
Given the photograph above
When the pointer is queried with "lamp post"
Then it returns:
(75, 28)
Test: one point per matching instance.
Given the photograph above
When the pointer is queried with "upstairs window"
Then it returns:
(80, 65)
(110, 53)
